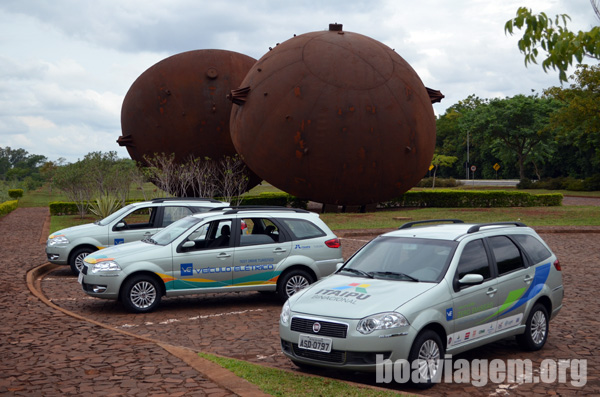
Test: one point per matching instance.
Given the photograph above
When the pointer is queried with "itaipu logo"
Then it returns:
(350, 293)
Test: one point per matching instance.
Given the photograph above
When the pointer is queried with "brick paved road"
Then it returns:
(244, 325)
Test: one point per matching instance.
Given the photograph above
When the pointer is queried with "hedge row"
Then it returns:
(8, 206)
(269, 199)
(473, 198)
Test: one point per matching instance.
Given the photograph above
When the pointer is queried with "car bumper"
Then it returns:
(104, 286)
(58, 255)
(354, 351)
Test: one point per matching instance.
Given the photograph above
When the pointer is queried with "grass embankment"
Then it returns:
(277, 382)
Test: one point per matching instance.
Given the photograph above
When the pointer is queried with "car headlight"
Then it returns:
(381, 321)
(105, 266)
(57, 239)
(285, 313)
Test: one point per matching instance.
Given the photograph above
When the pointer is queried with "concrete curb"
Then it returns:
(212, 371)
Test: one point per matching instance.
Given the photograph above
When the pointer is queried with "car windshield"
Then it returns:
(115, 215)
(402, 258)
(174, 230)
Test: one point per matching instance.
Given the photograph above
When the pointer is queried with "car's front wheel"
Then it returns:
(536, 330)
(292, 282)
(141, 294)
(427, 352)
(76, 259)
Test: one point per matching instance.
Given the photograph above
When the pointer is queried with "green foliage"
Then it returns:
(439, 182)
(104, 206)
(8, 206)
(17, 164)
(563, 183)
(71, 208)
(15, 193)
(474, 199)
(551, 36)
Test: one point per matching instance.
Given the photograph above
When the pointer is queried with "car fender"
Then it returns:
(145, 267)
(296, 261)
(88, 240)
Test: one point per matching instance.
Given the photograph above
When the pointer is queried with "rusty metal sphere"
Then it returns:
(179, 106)
(335, 117)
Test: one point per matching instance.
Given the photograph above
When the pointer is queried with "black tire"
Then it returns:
(76, 258)
(141, 294)
(429, 350)
(292, 282)
(536, 330)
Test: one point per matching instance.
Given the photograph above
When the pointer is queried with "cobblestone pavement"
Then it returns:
(244, 326)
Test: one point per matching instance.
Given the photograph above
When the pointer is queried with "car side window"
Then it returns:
(255, 231)
(141, 218)
(172, 214)
(507, 254)
(474, 260)
(534, 247)
(215, 234)
(302, 229)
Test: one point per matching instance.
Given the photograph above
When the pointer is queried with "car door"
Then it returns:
(514, 280)
(260, 246)
(204, 258)
(473, 306)
(134, 226)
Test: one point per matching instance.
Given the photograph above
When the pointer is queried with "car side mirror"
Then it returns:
(339, 266)
(120, 225)
(188, 244)
(470, 279)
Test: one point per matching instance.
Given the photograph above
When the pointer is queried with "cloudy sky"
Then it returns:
(66, 65)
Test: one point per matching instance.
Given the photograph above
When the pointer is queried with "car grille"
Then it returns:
(336, 356)
(305, 325)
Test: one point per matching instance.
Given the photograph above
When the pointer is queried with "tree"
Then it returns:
(552, 37)
(578, 121)
(75, 183)
(513, 126)
(439, 160)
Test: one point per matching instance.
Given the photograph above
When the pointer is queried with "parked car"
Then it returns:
(223, 250)
(131, 223)
(420, 292)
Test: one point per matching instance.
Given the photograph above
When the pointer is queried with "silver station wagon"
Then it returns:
(131, 223)
(232, 249)
(419, 292)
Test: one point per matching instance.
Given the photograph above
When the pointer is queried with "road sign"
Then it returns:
(473, 168)
(496, 166)
(431, 167)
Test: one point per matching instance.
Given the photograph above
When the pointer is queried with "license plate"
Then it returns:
(316, 343)
(80, 278)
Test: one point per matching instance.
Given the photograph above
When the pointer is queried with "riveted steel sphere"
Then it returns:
(179, 106)
(335, 117)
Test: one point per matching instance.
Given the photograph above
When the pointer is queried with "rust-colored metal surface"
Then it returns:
(335, 117)
(179, 106)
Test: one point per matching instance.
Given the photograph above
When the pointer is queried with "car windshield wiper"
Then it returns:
(357, 271)
(411, 278)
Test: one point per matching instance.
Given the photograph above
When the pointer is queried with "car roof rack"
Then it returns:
(411, 224)
(476, 228)
(163, 199)
(241, 208)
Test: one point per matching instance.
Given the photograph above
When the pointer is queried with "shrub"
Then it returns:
(439, 182)
(8, 206)
(15, 194)
(104, 206)
(472, 198)
(592, 183)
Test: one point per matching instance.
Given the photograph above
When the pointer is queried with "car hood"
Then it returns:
(79, 230)
(353, 297)
(123, 252)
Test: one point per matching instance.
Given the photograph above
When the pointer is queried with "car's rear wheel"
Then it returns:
(141, 294)
(428, 352)
(76, 259)
(292, 282)
(536, 330)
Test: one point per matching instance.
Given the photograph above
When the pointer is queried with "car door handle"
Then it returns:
(279, 250)
(491, 291)
(528, 279)
(223, 255)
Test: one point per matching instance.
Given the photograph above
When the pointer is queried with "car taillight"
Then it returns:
(557, 265)
(333, 243)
